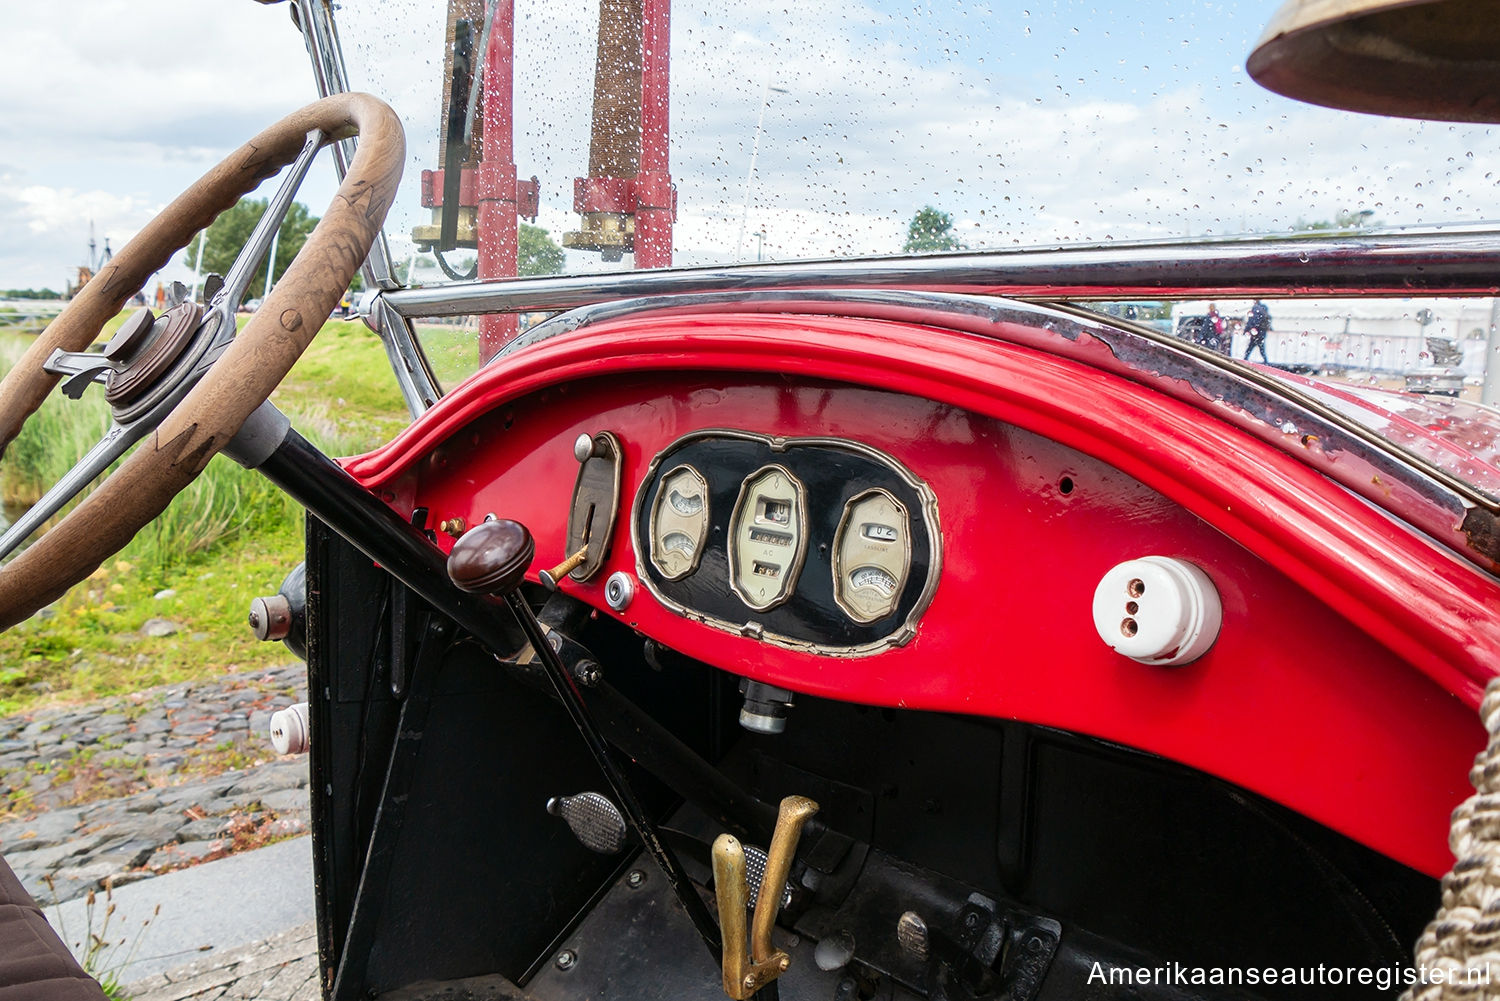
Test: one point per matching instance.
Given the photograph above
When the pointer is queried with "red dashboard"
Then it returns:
(1336, 686)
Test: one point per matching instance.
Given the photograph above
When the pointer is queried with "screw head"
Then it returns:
(587, 673)
(566, 959)
(635, 879)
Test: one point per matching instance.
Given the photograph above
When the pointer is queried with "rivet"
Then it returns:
(566, 959)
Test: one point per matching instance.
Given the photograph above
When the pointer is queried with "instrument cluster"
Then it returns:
(817, 543)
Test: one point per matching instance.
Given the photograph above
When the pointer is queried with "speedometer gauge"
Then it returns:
(769, 537)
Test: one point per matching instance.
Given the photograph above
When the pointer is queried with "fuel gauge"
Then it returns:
(679, 522)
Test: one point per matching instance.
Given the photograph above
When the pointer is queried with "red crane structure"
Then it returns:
(627, 202)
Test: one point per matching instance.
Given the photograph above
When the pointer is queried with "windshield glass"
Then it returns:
(876, 128)
(759, 132)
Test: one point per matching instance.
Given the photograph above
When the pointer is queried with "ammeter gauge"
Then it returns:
(679, 523)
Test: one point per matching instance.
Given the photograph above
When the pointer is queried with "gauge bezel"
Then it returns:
(924, 508)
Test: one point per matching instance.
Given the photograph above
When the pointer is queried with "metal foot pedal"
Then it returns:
(595, 821)
(755, 871)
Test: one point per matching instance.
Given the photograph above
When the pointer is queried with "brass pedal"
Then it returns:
(744, 974)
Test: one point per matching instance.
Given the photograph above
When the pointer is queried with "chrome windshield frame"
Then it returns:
(419, 387)
(1456, 261)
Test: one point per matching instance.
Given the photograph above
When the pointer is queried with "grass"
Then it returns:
(99, 954)
(88, 774)
(452, 351)
(227, 538)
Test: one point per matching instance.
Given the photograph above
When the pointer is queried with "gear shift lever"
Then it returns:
(492, 558)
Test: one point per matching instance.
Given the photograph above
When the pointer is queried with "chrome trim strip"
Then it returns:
(1399, 263)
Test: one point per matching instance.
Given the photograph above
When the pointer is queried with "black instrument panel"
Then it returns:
(813, 543)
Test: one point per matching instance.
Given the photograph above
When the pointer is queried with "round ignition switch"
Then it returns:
(1158, 610)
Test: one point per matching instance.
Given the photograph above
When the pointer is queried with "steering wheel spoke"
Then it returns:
(115, 443)
(247, 262)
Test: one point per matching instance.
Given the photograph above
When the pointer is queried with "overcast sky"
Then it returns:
(1030, 123)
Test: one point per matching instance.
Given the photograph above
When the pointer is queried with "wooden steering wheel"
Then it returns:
(182, 438)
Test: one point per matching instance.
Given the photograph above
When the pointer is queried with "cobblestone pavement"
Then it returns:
(139, 785)
(283, 968)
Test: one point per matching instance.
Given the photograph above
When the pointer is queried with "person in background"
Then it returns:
(1217, 341)
(1257, 325)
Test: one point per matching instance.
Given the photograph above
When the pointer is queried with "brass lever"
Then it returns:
(745, 974)
(550, 578)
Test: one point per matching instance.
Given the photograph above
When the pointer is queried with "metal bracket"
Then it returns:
(991, 953)
(82, 368)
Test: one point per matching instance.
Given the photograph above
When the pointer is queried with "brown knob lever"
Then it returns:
(567, 566)
(492, 557)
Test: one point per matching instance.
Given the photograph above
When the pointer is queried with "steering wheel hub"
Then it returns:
(145, 354)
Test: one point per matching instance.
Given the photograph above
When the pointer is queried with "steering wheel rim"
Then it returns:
(255, 362)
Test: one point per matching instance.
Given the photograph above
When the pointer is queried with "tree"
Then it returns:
(227, 235)
(931, 231)
(1344, 221)
(536, 253)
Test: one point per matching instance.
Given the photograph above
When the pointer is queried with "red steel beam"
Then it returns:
(655, 207)
(497, 174)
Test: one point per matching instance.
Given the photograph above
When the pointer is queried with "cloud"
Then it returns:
(1057, 126)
